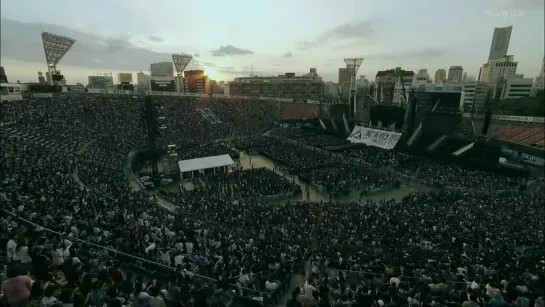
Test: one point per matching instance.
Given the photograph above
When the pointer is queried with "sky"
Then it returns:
(269, 37)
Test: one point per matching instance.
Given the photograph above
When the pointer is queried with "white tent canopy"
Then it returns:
(204, 163)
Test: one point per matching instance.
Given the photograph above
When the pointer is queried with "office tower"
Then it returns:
(162, 69)
(440, 76)
(455, 74)
(502, 67)
(344, 75)
(500, 43)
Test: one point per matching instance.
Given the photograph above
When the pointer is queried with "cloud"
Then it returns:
(426, 53)
(21, 41)
(347, 31)
(287, 55)
(155, 39)
(196, 55)
(230, 50)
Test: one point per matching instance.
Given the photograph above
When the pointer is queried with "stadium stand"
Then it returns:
(75, 232)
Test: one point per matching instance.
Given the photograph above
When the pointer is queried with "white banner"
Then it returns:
(374, 137)
(510, 118)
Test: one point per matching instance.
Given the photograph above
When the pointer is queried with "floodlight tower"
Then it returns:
(352, 65)
(180, 63)
(55, 47)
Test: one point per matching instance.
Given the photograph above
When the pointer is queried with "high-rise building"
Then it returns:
(101, 82)
(500, 43)
(143, 81)
(440, 76)
(474, 96)
(196, 82)
(313, 73)
(162, 77)
(493, 69)
(455, 74)
(331, 89)
(541, 77)
(423, 72)
(385, 84)
(48, 77)
(512, 87)
(162, 69)
(300, 88)
(539, 83)
(464, 77)
(362, 82)
(421, 78)
(3, 77)
(124, 77)
(344, 76)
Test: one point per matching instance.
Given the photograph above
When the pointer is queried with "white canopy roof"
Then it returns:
(205, 163)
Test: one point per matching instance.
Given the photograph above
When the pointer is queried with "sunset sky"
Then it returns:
(228, 37)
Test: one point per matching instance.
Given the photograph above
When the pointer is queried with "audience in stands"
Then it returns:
(74, 232)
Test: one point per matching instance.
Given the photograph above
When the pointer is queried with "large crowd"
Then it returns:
(341, 179)
(76, 234)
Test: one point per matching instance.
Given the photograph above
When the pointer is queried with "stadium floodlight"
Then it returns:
(55, 48)
(181, 60)
(352, 65)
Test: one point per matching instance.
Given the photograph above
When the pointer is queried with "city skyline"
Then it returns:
(273, 37)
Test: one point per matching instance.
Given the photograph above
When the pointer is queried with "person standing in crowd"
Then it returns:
(11, 247)
(198, 297)
(94, 297)
(496, 300)
(294, 301)
(17, 287)
(49, 299)
(57, 255)
(156, 299)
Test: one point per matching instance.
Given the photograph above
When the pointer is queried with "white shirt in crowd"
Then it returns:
(150, 248)
(308, 289)
(11, 247)
(395, 280)
(165, 258)
(66, 253)
(244, 279)
(56, 257)
(178, 260)
(189, 247)
(271, 285)
(22, 254)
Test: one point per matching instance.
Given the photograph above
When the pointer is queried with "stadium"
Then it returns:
(139, 198)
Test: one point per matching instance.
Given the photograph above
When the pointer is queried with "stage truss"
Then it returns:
(55, 48)
(181, 60)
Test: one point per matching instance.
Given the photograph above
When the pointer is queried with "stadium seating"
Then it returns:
(520, 133)
(299, 110)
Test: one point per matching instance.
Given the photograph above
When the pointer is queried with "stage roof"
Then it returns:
(204, 163)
